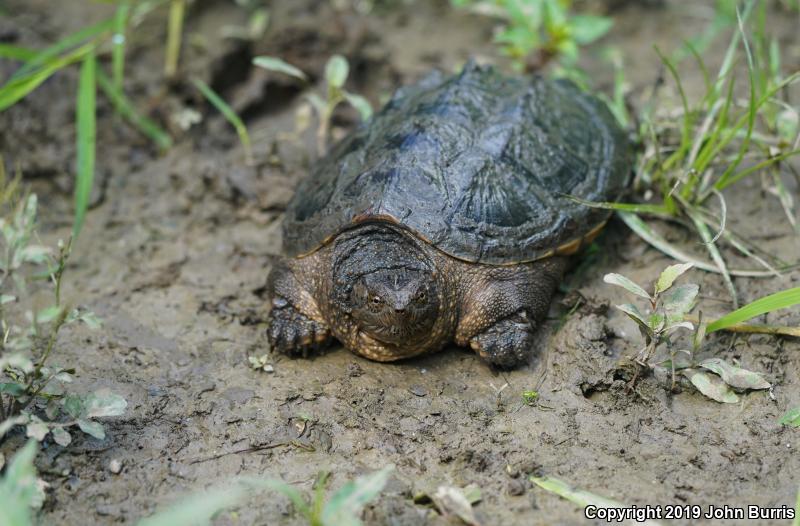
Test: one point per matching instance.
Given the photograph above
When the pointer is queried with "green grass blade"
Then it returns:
(639, 208)
(118, 44)
(17, 88)
(641, 229)
(780, 300)
(686, 131)
(174, 34)
(16, 52)
(86, 125)
(751, 110)
(126, 109)
(228, 113)
(70, 41)
(580, 497)
(760, 166)
(716, 256)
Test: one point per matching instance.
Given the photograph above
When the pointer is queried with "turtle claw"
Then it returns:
(507, 343)
(292, 333)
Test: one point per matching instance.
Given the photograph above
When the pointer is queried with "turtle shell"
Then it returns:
(480, 165)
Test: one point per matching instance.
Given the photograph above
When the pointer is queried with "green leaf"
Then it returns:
(196, 509)
(61, 436)
(18, 87)
(48, 314)
(276, 64)
(7, 298)
(37, 430)
(346, 505)
(86, 137)
(336, 71)
(18, 488)
(735, 376)
(711, 386)
(36, 254)
(73, 405)
(670, 274)
(580, 497)
(791, 418)
(361, 104)
(41, 58)
(635, 314)
(677, 301)
(780, 300)
(625, 283)
(12, 388)
(103, 403)
(585, 29)
(92, 428)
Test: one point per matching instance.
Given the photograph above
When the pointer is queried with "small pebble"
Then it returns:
(269, 369)
(115, 466)
(417, 390)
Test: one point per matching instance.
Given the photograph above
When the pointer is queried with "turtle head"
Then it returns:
(397, 306)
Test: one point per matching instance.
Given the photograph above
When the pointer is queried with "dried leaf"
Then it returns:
(451, 501)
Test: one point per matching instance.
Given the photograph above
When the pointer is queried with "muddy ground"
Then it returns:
(176, 250)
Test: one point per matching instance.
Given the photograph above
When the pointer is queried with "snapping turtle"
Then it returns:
(446, 218)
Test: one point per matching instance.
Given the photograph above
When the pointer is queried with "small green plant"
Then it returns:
(530, 397)
(32, 389)
(688, 165)
(82, 47)
(791, 418)
(669, 306)
(344, 507)
(539, 31)
(337, 70)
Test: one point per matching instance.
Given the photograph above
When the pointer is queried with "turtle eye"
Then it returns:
(376, 300)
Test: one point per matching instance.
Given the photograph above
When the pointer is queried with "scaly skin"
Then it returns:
(493, 309)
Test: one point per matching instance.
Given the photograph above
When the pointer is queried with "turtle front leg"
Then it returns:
(502, 306)
(296, 326)
(507, 343)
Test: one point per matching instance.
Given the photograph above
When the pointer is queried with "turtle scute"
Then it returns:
(479, 164)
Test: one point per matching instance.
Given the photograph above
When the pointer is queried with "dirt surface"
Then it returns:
(176, 250)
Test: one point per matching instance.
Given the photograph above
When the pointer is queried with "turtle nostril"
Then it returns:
(399, 311)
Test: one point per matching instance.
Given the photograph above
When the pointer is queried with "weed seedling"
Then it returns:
(537, 32)
(337, 70)
(32, 390)
(669, 306)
